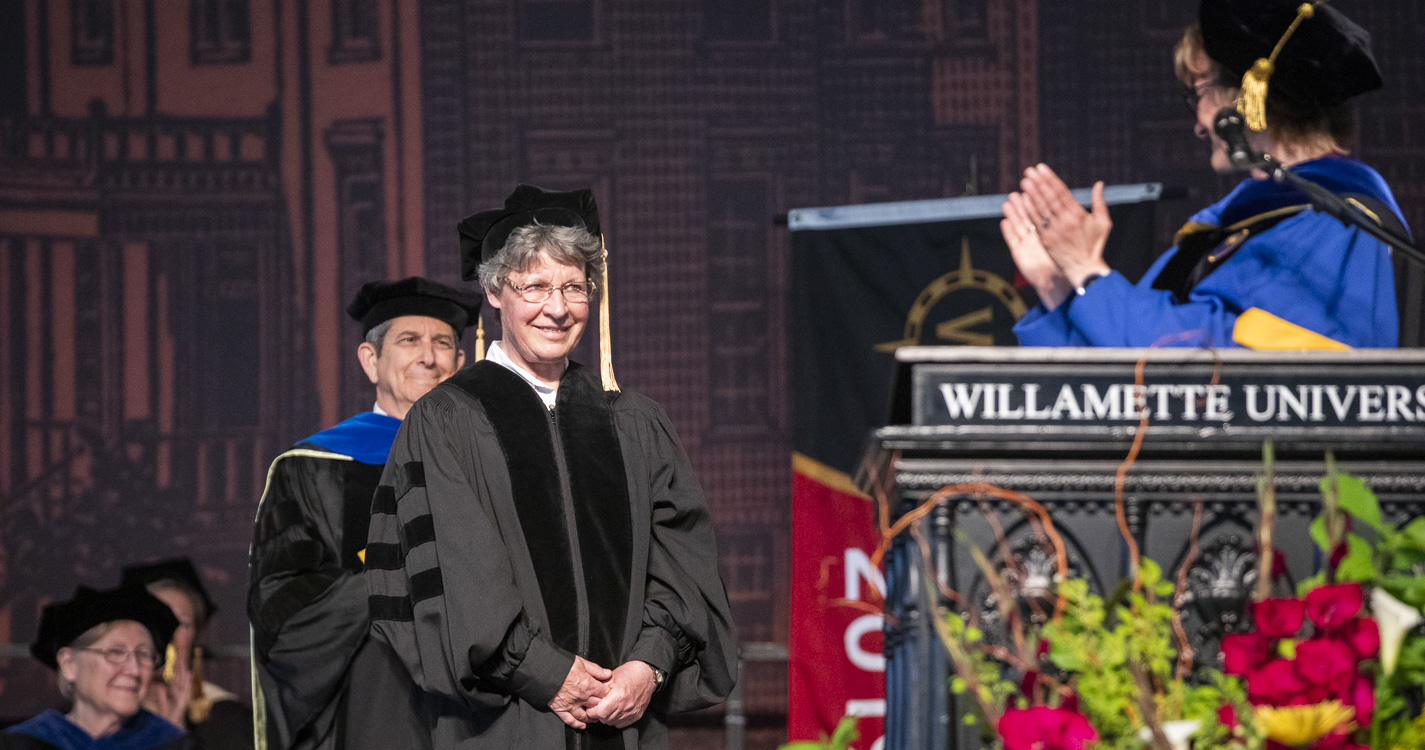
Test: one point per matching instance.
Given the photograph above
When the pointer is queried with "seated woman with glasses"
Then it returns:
(215, 718)
(1259, 268)
(104, 646)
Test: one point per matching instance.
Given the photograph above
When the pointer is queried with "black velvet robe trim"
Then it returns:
(522, 428)
(601, 507)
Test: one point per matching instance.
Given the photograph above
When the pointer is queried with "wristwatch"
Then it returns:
(1083, 288)
(659, 677)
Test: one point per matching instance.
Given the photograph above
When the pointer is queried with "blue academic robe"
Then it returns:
(142, 731)
(1309, 270)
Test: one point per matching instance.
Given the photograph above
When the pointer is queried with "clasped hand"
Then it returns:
(1055, 243)
(594, 694)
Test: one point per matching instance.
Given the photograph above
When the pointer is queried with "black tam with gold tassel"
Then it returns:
(1307, 56)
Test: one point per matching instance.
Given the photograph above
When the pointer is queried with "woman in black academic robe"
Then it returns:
(104, 646)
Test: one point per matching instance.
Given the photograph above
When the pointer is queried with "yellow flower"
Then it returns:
(1302, 725)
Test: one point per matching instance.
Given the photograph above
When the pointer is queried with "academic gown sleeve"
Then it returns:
(308, 613)
(1309, 270)
(687, 627)
(432, 517)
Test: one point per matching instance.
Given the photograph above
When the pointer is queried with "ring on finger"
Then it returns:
(1032, 229)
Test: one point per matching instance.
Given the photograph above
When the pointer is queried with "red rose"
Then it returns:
(1363, 635)
(1278, 618)
(1227, 716)
(1325, 661)
(1044, 728)
(1362, 697)
(1244, 652)
(1330, 607)
(1275, 684)
(1309, 696)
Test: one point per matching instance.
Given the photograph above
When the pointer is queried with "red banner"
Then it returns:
(835, 662)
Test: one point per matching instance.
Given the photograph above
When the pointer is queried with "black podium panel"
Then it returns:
(1056, 424)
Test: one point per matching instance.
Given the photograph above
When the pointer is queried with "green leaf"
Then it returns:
(1357, 499)
(970, 720)
(803, 745)
(845, 733)
(973, 635)
(1318, 533)
(1357, 565)
(1164, 588)
(1414, 532)
(1149, 571)
(1066, 657)
(957, 685)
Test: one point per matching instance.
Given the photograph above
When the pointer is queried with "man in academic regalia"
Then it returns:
(322, 683)
(540, 556)
(1260, 268)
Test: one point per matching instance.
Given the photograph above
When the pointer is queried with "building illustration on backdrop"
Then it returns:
(190, 191)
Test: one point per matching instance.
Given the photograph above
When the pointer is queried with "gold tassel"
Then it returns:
(170, 660)
(606, 350)
(479, 340)
(200, 705)
(1252, 101)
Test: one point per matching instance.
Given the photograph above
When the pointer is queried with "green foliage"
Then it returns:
(840, 739)
(992, 689)
(1356, 498)
(1099, 647)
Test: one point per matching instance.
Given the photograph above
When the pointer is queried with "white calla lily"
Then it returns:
(1176, 732)
(1394, 618)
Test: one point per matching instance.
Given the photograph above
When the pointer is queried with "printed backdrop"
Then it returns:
(191, 190)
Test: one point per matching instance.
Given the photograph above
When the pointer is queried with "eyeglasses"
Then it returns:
(1192, 95)
(121, 655)
(575, 292)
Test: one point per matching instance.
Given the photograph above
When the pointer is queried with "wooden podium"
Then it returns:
(1056, 424)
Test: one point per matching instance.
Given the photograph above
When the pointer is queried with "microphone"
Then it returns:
(1232, 129)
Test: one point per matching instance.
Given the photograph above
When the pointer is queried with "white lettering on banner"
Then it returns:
(1188, 402)
(858, 566)
(858, 629)
(866, 707)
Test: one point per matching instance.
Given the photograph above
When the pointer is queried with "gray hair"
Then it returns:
(377, 336)
(85, 640)
(573, 245)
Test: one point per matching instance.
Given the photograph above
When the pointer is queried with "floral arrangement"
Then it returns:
(1339, 665)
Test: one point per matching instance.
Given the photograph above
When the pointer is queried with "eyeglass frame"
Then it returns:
(122, 655)
(1192, 95)
(562, 289)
